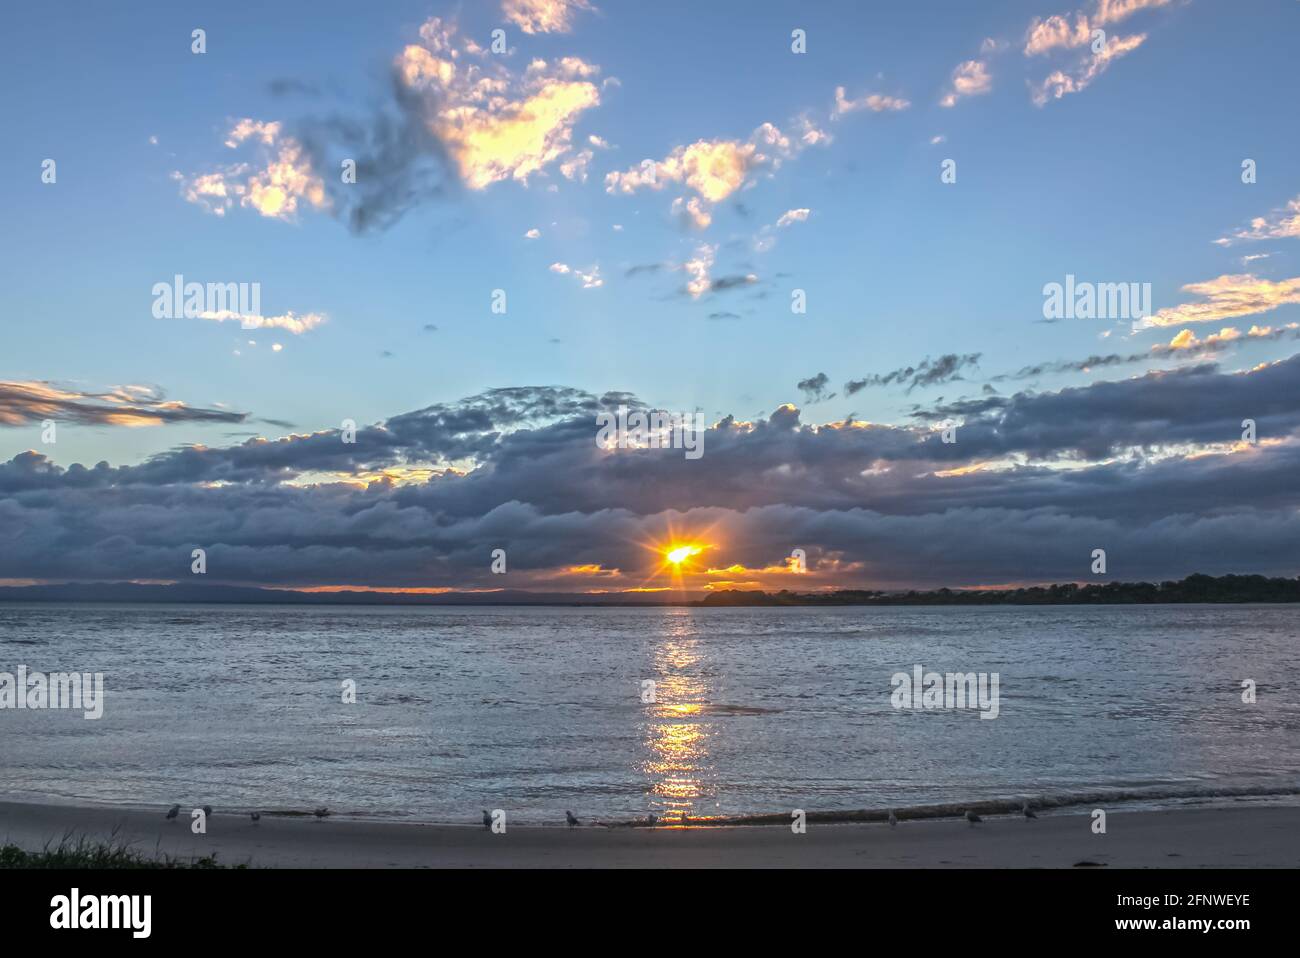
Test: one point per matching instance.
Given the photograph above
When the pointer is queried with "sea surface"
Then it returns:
(539, 710)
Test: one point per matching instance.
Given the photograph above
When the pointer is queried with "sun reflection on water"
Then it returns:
(678, 749)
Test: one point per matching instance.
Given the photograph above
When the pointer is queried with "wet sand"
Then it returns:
(1230, 837)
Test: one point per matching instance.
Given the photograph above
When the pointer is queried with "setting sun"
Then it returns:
(679, 554)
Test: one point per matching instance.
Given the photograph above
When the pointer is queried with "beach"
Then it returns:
(1257, 836)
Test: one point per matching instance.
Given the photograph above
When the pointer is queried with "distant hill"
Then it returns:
(1195, 588)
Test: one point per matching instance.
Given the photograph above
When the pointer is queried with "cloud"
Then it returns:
(697, 270)
(1059, 32)
(790, 217)
(1157, 476)
(713, 169)
(1227, 297)
(36, 401)
(926, 373)
(274, 188)
(533, 233)
(290, 322)
(1283, 223)
(1060, 83)
(590, 278)
(495, 125)
(544, 16)
(814, 388)
(875, 102)
(970, 78)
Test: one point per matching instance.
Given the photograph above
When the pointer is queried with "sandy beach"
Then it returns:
(1229, 837)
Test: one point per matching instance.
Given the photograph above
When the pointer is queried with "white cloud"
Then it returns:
(970, 78)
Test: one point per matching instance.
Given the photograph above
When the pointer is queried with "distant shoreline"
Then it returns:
(1195, 589)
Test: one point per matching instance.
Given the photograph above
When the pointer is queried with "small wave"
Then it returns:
(1060, 800)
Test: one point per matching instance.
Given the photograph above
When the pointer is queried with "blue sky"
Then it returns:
(1130, 177)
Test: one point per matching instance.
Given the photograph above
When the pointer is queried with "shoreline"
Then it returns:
(1258, 836)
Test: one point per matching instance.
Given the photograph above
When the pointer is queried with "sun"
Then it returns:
(679, 554)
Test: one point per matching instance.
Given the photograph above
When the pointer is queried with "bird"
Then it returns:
(1027, 811)
(207, 811)
(570, 818)
(255, 816)
(972, 817)
(487, 819)
(893, 819)
(321, 813)
(173, 812)
(685, 819)
(652, 819)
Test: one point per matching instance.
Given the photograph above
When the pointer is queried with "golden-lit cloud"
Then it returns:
(133, 405)
(875, 102)
(970, 78)
(273, 187)
(715, 169)
(497, 125)
(1283, 223)
(1061, 83)
(1063, 31)
(1227, 297)
(544, 16)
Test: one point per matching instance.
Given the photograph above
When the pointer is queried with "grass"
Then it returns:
(85, 854)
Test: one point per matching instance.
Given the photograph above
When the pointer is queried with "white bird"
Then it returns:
(1027, 811)
(487, 819)
(893, 819)
(972, 817)
(173, 812)
(569, 817)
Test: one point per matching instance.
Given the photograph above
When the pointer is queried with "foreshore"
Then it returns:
(1247, 836)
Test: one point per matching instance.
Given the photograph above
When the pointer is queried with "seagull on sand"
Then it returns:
(893, 819)
(569, 817)
(207, 811)
(487, 819)
(972, 817)
(651, 819)
(173, 812)
(1027, 811)
(685, 820)
(255, 816)
(321, 813)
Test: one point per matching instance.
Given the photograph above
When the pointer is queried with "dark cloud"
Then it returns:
(29, 402)
(814, 388)
(946, 368)
(885, 505)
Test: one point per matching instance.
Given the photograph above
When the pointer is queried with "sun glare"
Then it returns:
(679, 554)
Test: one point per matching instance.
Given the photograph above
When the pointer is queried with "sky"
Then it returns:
(829, 230)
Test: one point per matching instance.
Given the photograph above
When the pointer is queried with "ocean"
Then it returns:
(539, 710)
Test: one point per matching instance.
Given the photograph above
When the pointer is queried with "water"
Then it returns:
(536, 710)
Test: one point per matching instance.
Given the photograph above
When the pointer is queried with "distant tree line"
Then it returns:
(1194, 588)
